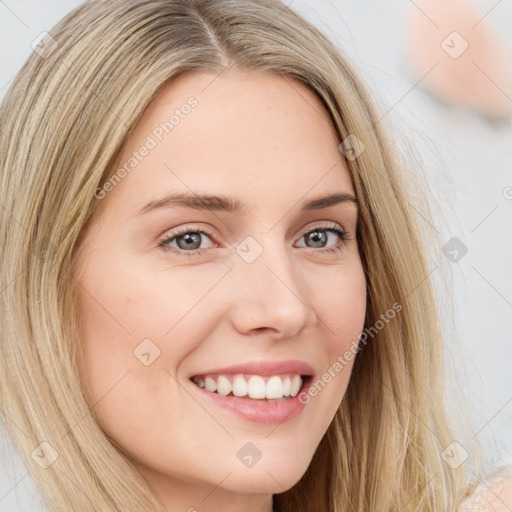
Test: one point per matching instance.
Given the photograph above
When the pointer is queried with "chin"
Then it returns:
(272, 477)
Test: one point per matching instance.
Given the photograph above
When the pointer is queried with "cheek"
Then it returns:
(126, 314)
(342, 307)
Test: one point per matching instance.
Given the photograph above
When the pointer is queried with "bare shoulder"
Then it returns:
(494, 495)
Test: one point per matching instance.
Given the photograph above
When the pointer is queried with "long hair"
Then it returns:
(63, 123)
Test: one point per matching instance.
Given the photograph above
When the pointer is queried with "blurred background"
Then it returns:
(441, 71)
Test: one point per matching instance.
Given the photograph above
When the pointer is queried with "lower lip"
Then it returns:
(259, 410)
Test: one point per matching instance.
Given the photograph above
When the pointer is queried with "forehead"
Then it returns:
(255, 134)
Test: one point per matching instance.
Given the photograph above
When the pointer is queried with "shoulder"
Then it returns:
(492, 495)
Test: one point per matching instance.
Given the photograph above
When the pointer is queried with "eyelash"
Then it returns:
(196, 252)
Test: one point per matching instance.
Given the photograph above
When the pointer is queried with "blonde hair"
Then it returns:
(63, 123)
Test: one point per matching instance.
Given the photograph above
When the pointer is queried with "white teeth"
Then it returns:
(256, 387)
(223, 386)
(286, 386)
(210, 384)
(276, 386)
(295, 385)
(240, 387)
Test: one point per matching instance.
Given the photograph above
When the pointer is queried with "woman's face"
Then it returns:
(272, 284)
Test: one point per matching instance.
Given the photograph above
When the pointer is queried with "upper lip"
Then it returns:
(264, 368)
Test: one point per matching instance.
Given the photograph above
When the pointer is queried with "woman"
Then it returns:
(289, 359)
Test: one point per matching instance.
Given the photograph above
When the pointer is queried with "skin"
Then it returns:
(267, 141)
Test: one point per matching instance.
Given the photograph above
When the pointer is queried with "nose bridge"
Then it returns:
(264, 260)
(266, 290)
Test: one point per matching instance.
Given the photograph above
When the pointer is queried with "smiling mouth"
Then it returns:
(253, 387)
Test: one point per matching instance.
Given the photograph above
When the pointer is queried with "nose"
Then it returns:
(268, 295)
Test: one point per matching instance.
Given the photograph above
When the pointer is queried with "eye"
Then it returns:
(319, 238)
(188, 239)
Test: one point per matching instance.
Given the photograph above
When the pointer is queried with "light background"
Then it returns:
(469, 167)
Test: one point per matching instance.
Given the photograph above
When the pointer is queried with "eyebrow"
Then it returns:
(221, 203)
